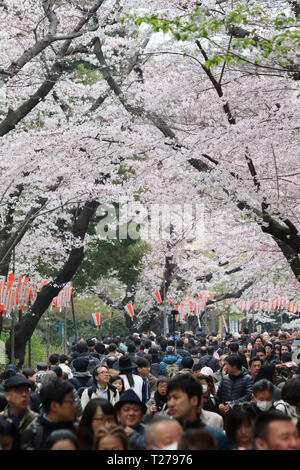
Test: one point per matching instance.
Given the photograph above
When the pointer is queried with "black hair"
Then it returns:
(234, 347)
(237, 415)
(9, 429)
(56, 390)
(148, 343)
(267, 371)
(210, 350)
(3, 402)
(82, 348)
(197, 439)
(180, 343)
(187, 384)
(84, 431)
(6, 374)
(286, 357)
(131, 348)
(290, 392)
(162, 378)
(112, 347)
(63, 358)
(288, 346)
(234, 360)
(187, 362)
(61, 435)
(260, 349)
(246, 331)
(100, 348)
(254, 359)
(262, 385)
(142, 362)
(110, 360)
(197, 366)
(90, 343)
(264, 419)
(54, 359)
(116, 377)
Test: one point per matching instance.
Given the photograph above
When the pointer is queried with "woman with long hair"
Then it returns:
(98, 414)
(128, 374)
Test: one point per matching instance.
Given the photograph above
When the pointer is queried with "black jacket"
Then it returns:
(36, 436)
(209, 361)
(235, 389)
(183, 352)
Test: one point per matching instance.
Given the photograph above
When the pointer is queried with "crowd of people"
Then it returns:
(145, 392)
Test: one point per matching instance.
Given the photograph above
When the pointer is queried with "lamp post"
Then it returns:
(173, 313)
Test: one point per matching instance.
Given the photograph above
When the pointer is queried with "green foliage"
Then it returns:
(84, 72)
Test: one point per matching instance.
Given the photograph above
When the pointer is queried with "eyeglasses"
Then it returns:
(71, 402)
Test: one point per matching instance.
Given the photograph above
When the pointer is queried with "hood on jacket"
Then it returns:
(171, 358)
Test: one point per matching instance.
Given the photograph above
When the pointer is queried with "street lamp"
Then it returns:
(174, 313)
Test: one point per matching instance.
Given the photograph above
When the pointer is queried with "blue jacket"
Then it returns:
(170, 359)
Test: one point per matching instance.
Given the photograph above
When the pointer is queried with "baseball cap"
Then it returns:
(17, 381)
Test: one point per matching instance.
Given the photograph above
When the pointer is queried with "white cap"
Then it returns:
(207, 371)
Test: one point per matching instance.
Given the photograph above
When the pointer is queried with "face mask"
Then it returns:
(204, 388)
(169, 447)
(264, 405)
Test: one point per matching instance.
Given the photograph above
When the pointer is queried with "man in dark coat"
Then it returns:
(57, 398)
(209, 360)
(236, 386)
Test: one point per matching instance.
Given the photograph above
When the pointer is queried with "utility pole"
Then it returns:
(12, 351)
(74, 319)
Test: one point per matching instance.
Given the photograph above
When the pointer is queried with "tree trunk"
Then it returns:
(26, 327)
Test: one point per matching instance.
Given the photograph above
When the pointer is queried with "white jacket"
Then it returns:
(138, 384)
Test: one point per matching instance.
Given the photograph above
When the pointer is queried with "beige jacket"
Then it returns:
(28, 419)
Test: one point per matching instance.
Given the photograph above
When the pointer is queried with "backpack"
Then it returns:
(171, 369)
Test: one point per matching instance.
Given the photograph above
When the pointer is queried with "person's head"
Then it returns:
(62, 439)
(290, 392)
(263, 394)
(9, 435)
(162, 433)
(254, 366)
(111, 438)
(90, 344)
(63, 359)
(184, 397)
(197, 439)
(97, 414)
(282, 338)
(233, 347)
(58, 401)
(29, 373)
(131, 348)
(112, 348)
(117, 382)
(197, 370)
(268, 350)
(162, 384)
(82, 347)
(285, 348)
(208, 386)
(187, 363)
(143, 367)
(100, 348)
(261, 353)
(258, 341)
(180, 343)
(53, 360)
(81, 364)
(130, 410)
(275, 431)
(101, 375)
(17, 393)
(233, 364)
(239, 423)
(42, 366)
(203, 350)
(110, 360)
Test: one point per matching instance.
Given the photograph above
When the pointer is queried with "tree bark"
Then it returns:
(26, 327)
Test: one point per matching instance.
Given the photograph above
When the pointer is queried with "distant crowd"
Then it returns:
(146, 392)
